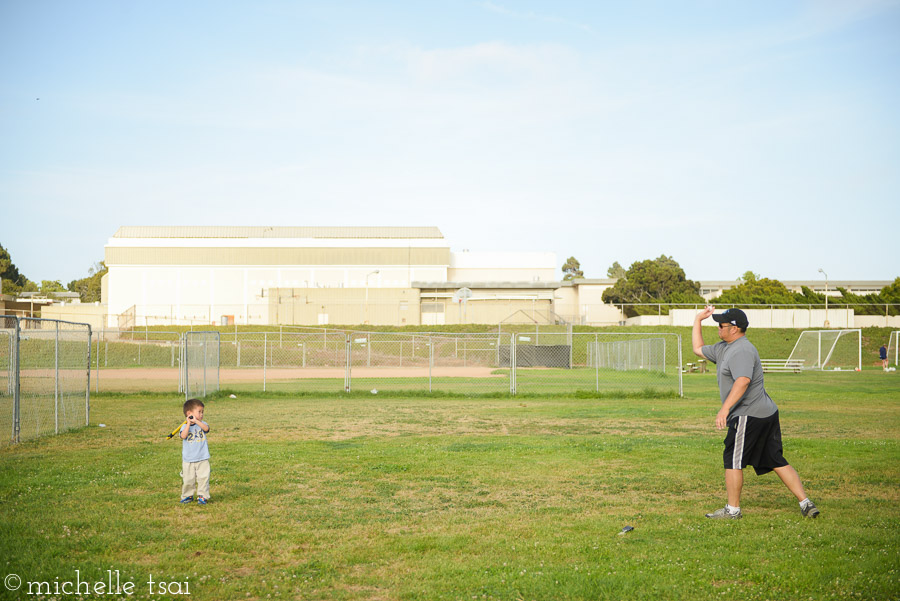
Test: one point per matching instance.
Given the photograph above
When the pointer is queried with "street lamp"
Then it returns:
(367, 293)
(822, 271)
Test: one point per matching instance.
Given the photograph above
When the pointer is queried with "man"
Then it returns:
(882, 354)
(754, 432)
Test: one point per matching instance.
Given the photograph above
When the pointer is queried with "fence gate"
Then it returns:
(200, 363)
(45, 371)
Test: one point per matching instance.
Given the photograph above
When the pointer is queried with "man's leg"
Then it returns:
(734, 482)
(791, 479)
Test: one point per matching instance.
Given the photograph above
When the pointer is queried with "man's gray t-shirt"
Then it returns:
(735, 360)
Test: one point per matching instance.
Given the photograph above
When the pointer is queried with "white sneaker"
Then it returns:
(724, 514)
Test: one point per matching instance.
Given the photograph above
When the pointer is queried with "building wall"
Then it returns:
(502, 267)
(93, 314)
(581, 302)
(312, 306)
(446, 311)
(187, 294)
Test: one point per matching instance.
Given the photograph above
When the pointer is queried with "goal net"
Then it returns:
(894, 348)
(627, 355)
(200, 364)
(836, 350)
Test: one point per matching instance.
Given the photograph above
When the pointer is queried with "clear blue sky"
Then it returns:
(736, 136)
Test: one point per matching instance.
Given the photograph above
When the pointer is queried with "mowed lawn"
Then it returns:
(373, 497)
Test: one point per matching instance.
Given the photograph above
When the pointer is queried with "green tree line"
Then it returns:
(14, 282)
(662, 281)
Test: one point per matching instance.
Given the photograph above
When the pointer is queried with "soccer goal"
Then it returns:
(627, 355)
(199, 364)
(894, 348)
(835, 350)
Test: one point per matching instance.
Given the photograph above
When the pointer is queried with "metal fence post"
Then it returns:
(430, 360)
(680, 371)
(97, 360)
(182, 369)
(56, 381)
(265, 353)
(347, 363)
(205, 363)
(16, 393)
(87, 392)
(513, 363)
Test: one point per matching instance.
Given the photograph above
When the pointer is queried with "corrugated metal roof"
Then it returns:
(484, 285)
(207, 231)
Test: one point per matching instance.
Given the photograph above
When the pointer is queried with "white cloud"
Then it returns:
(533, 16)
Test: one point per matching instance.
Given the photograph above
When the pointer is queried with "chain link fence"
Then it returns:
(327, 360)
(45, 386)
(201, 360)
(562, 362)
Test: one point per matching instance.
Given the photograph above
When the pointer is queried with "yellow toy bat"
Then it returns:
(175, 431)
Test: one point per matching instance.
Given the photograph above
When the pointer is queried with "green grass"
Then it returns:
(416, 497)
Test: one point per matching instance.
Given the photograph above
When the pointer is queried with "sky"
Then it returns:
(732, 136)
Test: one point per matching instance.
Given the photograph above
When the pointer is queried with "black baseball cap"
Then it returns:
(735, 317)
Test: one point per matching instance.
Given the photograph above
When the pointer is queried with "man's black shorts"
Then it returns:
(754, 441)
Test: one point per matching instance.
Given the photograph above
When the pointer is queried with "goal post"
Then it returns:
(835, 350)
(200, 363)
(893, 348)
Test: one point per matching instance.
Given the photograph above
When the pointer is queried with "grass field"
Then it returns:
(374, 497)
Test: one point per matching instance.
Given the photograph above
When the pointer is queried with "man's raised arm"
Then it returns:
(697, 332)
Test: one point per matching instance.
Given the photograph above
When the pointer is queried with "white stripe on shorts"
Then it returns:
(737, 457)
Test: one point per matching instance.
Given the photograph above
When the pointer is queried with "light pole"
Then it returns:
(822, 271)
(367, 293)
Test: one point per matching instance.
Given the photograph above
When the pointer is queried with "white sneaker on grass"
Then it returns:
(724, 514)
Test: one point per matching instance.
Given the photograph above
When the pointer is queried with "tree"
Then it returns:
(757, 291)
(870, 304)
(13, 282)
(48, 286)
(572, 269)
(88, 288)
(615, 271)
(660, 280)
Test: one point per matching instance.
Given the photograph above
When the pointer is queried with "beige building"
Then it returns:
(316, 276)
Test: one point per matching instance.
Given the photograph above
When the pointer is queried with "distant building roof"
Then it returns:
(483, 285)
(205, 231)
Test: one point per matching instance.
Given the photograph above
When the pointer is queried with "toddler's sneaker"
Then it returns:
(201, 501)
(187, 499)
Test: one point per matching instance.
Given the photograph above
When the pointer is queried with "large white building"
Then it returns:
(264, 275)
